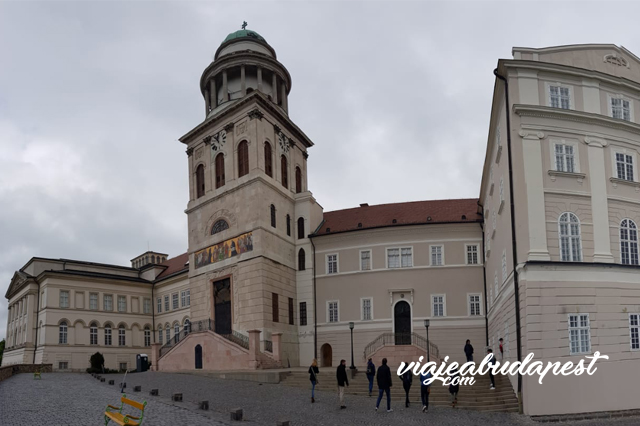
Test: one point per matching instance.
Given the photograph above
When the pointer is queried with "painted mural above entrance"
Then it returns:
(224, 250)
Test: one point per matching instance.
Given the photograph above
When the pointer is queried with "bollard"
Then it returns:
(236, 414)
(98, 377)
(137, 388)
(204, 405)
(282, 423)
(177, 397)
(154, 392)
(102, 380)
(112, 382)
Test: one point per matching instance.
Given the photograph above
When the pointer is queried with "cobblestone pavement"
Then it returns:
(79, 399)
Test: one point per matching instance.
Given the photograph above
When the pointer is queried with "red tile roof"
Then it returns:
(411, 213)
(175, 264)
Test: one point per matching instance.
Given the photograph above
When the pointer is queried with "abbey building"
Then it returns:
(546, 257)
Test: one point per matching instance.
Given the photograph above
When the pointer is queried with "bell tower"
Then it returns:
(250, 210)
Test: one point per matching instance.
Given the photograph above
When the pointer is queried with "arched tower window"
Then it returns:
(300, 228)
(200, 181)
(273, 215)
(243, 159)
(298, 180)
(268, 160)
(219, 226)
(63, 333)
(570, 244)
(283, 171)
(288, 225)
(219, 170)
(301, 260)
(629, 242)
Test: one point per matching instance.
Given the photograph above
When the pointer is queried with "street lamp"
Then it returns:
(351, 325)
(426, 325)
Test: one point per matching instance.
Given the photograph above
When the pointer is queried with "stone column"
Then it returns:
(274, 88)
(225, 89)
(213, 94)
(284, 96)
(207, 100)
(277, 346)
(260, 79)
(254, 348)
(155, 355)
(599, 203)
(243, 81)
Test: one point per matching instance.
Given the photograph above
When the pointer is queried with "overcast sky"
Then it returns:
(395, 95)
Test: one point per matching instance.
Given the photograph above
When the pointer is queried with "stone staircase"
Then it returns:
(476, 397)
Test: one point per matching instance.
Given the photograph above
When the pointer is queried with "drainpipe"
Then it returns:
(315, 310)
(37, 326)
(153, 312)
(484, 279)
(516, 288)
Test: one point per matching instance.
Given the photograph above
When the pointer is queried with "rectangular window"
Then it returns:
(367, 309)
(564, 158)
(121, 336)
(167, 333)
(438, 305)
(93, 301)
(174, 300)
(93, 335)
(108, 302)
(624, 166)
(147, 337)
(634, 330)
(474, 304)
(160, 336)
(188, 297)
(436, 256)
(303, 313)
(63, 365)
(333, 311)
(183, 298)
(579, 334)
(365, 260)
(559, 97)
(159, 304)
(620, 108)
(501, 193)
(166, 303)
(275, 308)
(472, 255)
(332, 264)
(64, 299)
(393, 258)
(107, 335)
(406, 257)
(504, 265)
(291, 321)
(146, 306)
(122, 303)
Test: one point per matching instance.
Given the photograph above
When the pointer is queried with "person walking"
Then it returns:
(341, 375)
(406, 378)
(468, 351)
(492, 362)
(454, 388)
(313, 376)
(371, 374)
(501, 349)
(425, 390)
(384, 384)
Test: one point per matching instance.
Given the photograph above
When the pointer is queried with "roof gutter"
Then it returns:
(484, 280)
(315, 310)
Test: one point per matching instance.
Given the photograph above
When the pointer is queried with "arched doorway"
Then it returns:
(198, 357)
(402, 320)
(327, 355)
(222, 308)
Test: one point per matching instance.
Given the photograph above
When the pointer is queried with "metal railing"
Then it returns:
(237, 338)
(199, 327)
(389, 339)
(268, 346)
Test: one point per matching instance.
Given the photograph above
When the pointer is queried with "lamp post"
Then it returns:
(351, 325)
(426, 325)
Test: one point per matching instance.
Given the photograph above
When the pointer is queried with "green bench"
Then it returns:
(124, 419)
(36, 375)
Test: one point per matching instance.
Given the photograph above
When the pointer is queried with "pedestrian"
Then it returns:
(406, 378)
(313, 376)
(501, 349)
(468, 350)
(341, 375)
(371, 374)
(384, 384)
(425, 390)
(492, 362)
(454, 388)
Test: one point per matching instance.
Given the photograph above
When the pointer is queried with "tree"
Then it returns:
(96, 361)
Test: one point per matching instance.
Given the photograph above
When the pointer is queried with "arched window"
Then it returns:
(301, 260)
(93, 333)
(300, 228)
(219, 170)
(107, 335)
(63, 333)
(288, 225)
(629, 242)
(176, 330)
(268, 160)
(273, 215)
(147, 336)
(243, 158)
(121, 336)
(283, 171)
(187, 326)
(200, 181)
(298, 180)
(570, 244)
(167, 332)
(219, 226)
(160, 334)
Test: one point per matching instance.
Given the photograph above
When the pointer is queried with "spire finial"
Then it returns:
(244, 24)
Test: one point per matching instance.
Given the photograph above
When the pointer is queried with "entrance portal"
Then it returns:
(327, 355)
(402, 319)
(198, 357)
(222, 306)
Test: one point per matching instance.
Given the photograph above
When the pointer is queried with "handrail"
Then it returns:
(387, 339)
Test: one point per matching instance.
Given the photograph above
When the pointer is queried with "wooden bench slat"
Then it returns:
(119, 418)
(133, 403)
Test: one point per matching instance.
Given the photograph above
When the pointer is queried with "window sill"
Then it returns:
(616, 182)
(578, 176)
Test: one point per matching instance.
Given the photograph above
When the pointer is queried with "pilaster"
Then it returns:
(599, 202)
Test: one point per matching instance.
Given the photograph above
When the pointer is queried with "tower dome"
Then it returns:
(244, 40)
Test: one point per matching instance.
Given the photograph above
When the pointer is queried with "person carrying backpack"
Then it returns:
(371, 374)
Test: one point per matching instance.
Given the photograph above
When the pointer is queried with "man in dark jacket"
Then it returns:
(407, 378)
(384, 384)
(371, 374)
(341, 375)
(468, 350)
